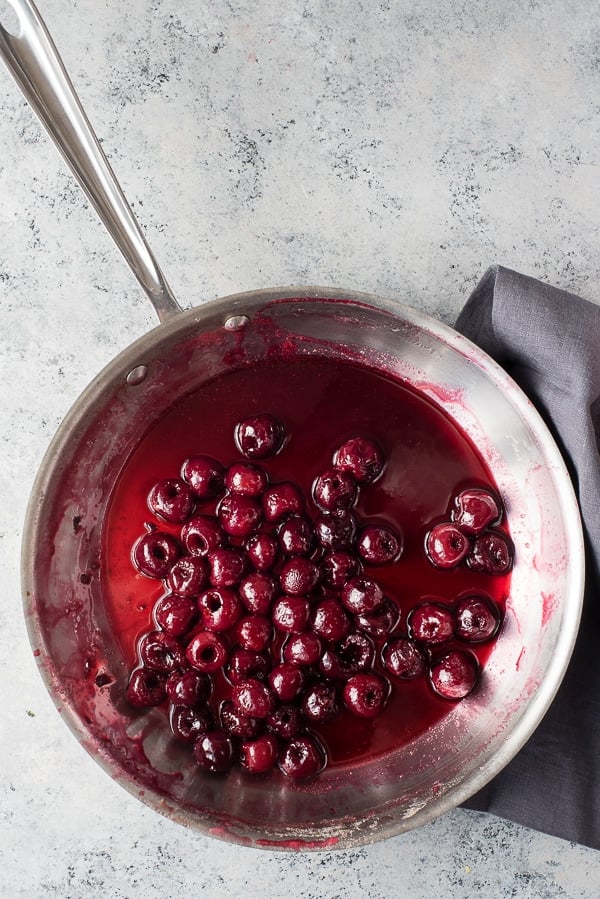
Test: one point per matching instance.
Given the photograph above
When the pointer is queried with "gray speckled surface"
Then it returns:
(395, 148)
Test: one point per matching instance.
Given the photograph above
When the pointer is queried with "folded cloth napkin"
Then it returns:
(549, 342)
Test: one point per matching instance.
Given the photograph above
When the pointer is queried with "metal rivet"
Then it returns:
(235, 322)
(137, 375)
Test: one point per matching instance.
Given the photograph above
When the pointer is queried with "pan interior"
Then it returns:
(82, 663)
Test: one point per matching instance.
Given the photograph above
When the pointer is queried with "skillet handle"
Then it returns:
(33, 61)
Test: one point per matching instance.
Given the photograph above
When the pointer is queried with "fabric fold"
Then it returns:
(548, 340)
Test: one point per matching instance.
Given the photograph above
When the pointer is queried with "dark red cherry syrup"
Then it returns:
(379, 473)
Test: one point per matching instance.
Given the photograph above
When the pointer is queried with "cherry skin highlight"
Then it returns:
(188, 724)
(454, 675)
(403, 658)
(187, 576)
(237, 724)
(175, 614)
(204, 475)
(146, 688)
(362, 595)
(302, 757)
(155, 553)
(207, 652)
(214, 751)
(191, 688)
(259, 756)
(365, 695)
(202, 534)
(171, 500)
(259, 437)
(282, 500)
(476, 619)
(446, 545)
(336, 531)
(378, 545)
(245, 479)
(476, 509)
(335, 491)
(492, 553)
(431, 623)
(360, 457)
(261, 551)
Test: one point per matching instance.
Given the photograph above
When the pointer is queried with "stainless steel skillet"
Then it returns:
(66, 619)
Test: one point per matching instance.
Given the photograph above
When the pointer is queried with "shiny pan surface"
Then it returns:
(344, 807)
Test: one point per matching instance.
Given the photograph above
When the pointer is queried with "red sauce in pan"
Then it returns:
(321, 403)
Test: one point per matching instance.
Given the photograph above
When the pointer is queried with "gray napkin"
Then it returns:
(549, 342)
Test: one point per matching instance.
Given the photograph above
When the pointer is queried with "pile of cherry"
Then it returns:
(268, 624)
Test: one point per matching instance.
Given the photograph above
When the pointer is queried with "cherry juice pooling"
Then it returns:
(344, 512)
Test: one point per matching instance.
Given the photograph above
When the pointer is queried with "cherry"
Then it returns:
(431, 623)
(285, 721)
(254, 632)
(362, 595)
(361, 457)
(302, 649)
(245, 479)
(286, 680)
(357, 651)
(207, 652)
(257, 591)
(244, 727)
(290, 614)
(333, 667)
(335, 491)
(302, 757)
(365, 694)
(403, 658)
(253, 698)
(381, 621)
(298, 576)
(187, 576)
(261, 551)
(239, 516)
(320, 702)
(204, 475)
(160, 652)
(220, 608)
(476, 619)
(175, 614)
(259, 756)
(226, 567)
(245, 663)
(155, 553)
(336, 532)
(338, 568)
(446, 546)
(214, 751)
(475, 509)
(191, 688)
(296, 535)
(259, 437)
(492, 553)
(330, 620)
(454, 675)
(378, 545)
(202, 534)
(172, 500)
(145, 688)
(281, 500)
(187, 724)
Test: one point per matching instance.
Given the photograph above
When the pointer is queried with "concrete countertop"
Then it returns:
(389, 147)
